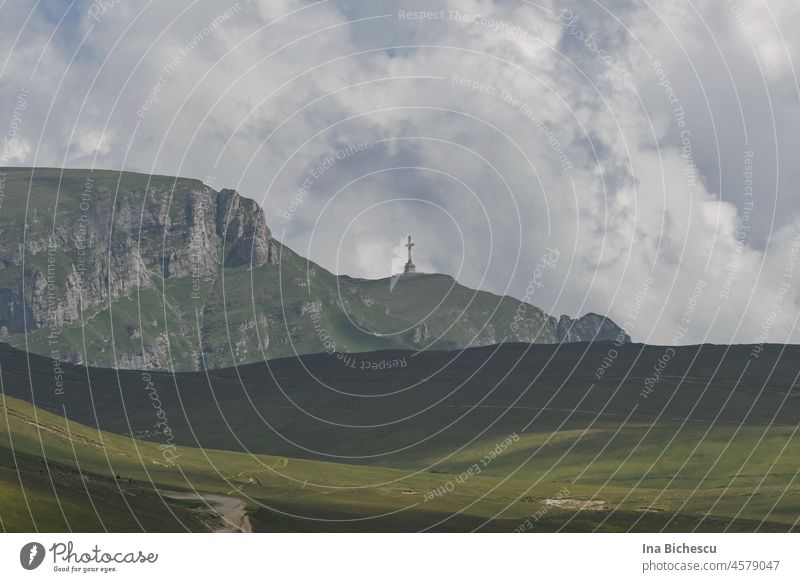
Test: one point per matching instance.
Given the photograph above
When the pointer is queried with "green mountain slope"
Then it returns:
(126, 270)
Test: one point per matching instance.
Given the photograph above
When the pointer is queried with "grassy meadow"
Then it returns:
(546, 448)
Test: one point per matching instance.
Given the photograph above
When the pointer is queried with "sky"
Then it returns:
(650, 146)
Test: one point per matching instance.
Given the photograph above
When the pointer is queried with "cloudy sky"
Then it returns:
(653, 144)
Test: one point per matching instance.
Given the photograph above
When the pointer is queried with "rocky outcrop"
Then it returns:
(154, 356)
(420, 334)
(590, 327)
(253, 335)
(11, 310)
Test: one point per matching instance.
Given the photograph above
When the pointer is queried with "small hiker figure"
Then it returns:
(130, 480)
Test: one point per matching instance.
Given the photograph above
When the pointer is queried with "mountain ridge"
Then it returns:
(130, 270)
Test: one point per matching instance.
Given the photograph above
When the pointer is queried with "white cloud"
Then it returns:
(16, 151)
(550, 146)
(90, 144)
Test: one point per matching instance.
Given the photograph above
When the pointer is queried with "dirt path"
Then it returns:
(230, 511)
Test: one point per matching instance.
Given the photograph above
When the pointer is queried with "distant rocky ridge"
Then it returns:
(134, 271)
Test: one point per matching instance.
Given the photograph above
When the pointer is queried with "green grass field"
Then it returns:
(712, 448)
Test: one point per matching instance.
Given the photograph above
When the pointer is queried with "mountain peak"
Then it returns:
(242, 224)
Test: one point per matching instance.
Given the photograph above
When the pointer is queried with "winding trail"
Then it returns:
(230, 511)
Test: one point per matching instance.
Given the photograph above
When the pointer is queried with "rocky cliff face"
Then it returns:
(107, 242)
